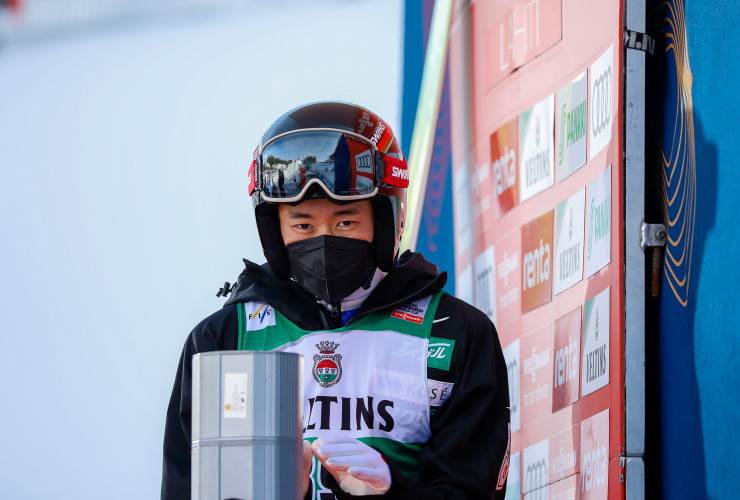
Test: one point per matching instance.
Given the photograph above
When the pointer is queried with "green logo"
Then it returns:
(439, 354)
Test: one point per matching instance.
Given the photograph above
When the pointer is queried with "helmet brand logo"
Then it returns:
(396, 172)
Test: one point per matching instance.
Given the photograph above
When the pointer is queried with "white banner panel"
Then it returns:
(569, 227)
(602, 94)
(572, 126)
(598, 245)
(595, 363)
(537, 143)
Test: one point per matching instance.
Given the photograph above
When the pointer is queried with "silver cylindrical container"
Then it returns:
(247, 425)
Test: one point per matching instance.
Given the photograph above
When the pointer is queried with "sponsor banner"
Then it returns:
(594, 480)
(526, 30)
(508, 278)
(565, 489)
(485, 283)
(572, 126)
(464, 284)
(511, 355)
(564, 448)
(602, 113)
(567, 359)
(537, 262)
(463, 212)
(535, 468)
(504, 142)
(536, 379)
(599, 240)
(595, 363)
(537, 146)
(570, 242)
(514, 483)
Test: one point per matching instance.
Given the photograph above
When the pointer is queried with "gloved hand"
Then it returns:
(307, 459)
(358, 468)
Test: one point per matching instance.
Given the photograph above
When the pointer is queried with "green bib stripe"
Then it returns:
(399, 320)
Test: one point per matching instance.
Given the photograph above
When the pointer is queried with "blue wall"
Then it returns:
(699, 407)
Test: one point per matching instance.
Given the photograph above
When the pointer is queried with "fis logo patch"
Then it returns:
(327, 365)
(259, 315)
(414, 311)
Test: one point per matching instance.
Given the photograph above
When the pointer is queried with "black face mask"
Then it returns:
(331, 267)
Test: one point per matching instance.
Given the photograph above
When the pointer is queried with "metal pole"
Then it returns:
(247, 425)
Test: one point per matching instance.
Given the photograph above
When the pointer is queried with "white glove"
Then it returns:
(358, 468)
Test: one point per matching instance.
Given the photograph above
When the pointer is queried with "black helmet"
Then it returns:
(332, 150)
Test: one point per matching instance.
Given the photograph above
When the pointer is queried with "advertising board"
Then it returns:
(537, 169)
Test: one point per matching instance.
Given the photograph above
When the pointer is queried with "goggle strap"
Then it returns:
(396, 172)
(252, 177)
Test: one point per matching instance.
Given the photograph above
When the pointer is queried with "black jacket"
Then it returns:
(470, 431)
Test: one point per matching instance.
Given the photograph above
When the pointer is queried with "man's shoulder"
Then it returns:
(461, 312)
(218, 330)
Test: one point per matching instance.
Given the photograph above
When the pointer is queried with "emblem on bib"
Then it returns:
(327, 366)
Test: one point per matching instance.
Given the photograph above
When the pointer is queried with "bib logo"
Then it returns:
(259, 315)
(327, 366)
(413, 312)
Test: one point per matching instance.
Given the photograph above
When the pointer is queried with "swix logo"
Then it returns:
(378, 133)
(259, 315)
(439, 354)
(401, 173)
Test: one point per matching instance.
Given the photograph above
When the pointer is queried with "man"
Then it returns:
(407, 395)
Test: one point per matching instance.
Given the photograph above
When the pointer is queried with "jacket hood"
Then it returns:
(412, 277)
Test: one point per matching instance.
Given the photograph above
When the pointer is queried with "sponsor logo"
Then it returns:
(438, 391)
(364, 162)
(537, 167)
(259, 315)
(504, 170)
(574, 124)
(594, 468)
(535, 361)
(363, 122)
(439, 354)
(507, 265)
(563, 462)
(595, 363)
(355, 413)
(536, 266)
(413, 312)
(566, 363)
(378, 133)
(601, 105)
(535, 479)
(570, 261)
(327, 366)
(600, 222)
(400, 173)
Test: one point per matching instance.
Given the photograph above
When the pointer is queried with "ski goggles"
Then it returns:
(346, 165)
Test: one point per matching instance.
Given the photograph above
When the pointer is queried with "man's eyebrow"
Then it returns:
(295, 214)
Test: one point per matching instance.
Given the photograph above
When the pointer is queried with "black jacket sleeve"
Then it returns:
(217, 332)
(469, 446)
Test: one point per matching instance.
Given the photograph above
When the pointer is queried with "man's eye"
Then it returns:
(303, 227)
(345, 223)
